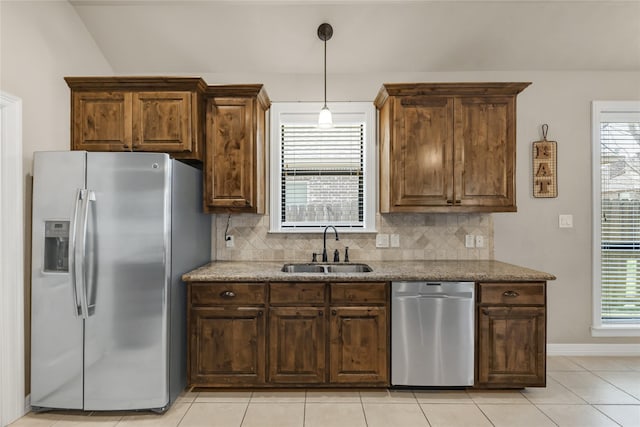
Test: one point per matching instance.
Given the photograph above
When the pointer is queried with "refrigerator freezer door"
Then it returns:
(56, 329)
(127, 281)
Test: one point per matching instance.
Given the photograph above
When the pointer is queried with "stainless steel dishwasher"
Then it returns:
(432, 334)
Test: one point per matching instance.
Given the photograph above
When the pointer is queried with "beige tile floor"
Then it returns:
(580, 392)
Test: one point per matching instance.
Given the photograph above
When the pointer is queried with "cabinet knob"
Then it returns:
(126, 146)
(260, 313)
(511, 294)
(320, 313)
(333, 312)
(227, 294)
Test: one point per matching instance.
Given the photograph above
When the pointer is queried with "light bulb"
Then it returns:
(324, 119)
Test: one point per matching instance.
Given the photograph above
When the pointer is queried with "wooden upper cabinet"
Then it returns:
(162, 121)
(447, 147)
(234, 179)
(158, 114)
(101, 121)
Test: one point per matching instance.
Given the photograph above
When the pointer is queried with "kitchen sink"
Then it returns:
(326, 268)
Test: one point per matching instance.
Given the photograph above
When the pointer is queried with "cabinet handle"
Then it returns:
(260, 313)
(334, 312)
(227, 294)
(320, 313)
(125, 146)
(449, 202)
(458, 202)
(511, 294)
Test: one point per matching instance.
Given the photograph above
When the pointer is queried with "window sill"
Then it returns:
(321, 230)
(616, 331)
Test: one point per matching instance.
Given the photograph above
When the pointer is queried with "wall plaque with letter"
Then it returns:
(545, 167)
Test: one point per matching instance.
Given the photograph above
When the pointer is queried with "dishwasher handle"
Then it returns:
(436, 296)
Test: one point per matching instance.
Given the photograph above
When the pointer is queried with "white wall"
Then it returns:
(40, 43)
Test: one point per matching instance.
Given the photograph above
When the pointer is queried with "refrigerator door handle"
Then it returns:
(90, 278)
(72, 252)
(86, 195)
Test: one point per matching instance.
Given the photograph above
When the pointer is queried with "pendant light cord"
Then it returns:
(325, 73)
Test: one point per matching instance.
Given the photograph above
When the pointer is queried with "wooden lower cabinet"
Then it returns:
(288, 334)
(358, 345)
(297, 345)
(227, 346)
(511, 335)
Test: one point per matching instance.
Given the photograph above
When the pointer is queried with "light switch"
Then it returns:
(382, 241)
(469, 241)
(395, 240)
(565, 221)
(479, 241)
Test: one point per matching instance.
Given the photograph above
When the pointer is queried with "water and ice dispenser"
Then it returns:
(56, 246)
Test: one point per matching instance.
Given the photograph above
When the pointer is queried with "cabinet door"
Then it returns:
(230, 147)
(227, 346)
(511, 346)
(422, 152)
(485, 152)
(358, 349)
(162, 121)
(297, 340)
(101, 121)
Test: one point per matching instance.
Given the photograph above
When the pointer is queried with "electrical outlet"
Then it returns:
(479, 241)
(395, 240)
(469, 241)
(230, 242)
(382, 241)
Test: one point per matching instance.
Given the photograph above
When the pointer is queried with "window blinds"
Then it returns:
(620, 221)
(322, 175)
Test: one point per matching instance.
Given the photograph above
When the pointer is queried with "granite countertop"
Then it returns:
(465, 270)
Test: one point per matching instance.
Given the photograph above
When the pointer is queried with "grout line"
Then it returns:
(481, 411)
(244, 415)
(615, 386)
(422, 410)
(304, 408)
(544, 413)
(185, 412)
(598, 409)
(364, 413)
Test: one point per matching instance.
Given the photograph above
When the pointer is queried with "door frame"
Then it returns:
(12, 285)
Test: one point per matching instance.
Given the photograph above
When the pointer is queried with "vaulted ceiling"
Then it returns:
(369, 36)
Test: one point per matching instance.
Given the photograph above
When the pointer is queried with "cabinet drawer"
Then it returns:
(531, 293)
(297, 293)
(227, 293)
(358, 293)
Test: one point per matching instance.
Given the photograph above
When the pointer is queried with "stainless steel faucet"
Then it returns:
(324, 243)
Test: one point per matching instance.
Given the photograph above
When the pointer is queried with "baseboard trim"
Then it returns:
(593, 349)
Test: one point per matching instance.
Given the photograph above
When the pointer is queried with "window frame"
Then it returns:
(598, 110)
(338, 109)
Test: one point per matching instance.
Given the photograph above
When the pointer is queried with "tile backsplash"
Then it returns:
(422, 237)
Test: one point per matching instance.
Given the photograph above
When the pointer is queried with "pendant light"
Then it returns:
(325, 31)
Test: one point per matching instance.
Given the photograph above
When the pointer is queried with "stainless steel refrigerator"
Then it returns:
(111, 235)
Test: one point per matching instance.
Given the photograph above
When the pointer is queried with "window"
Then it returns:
(321, 176)
(616, 218)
